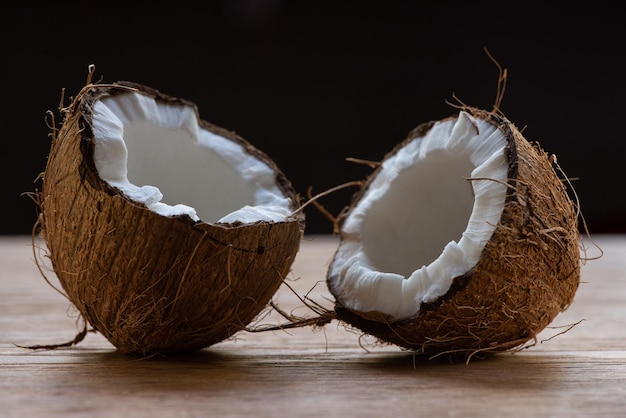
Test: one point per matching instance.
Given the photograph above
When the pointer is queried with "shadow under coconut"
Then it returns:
(514, 370)
(118, 373)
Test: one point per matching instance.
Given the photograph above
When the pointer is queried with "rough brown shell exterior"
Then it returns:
(149, 283)
(528, 272)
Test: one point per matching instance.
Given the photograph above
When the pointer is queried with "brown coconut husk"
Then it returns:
(528, 272)
(149, 283)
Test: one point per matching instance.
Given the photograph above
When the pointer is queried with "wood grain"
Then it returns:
(309, 372)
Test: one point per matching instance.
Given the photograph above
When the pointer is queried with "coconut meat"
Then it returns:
(156, 154)
(423, 220)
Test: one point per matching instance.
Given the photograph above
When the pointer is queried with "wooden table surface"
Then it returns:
(308, 372)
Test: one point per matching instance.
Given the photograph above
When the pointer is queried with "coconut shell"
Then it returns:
(527, 273)
(151, 283)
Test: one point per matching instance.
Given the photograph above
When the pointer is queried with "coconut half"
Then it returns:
(464, 239)
(166, 232)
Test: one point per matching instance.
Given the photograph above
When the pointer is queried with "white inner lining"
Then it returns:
(156, 154)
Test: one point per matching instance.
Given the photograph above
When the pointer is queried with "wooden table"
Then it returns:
(307, 372)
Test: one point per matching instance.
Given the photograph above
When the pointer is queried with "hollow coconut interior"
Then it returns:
(156, 153)
(423, 220)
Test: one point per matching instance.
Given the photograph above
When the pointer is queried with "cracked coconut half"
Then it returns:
(166, 232)
(463, 240)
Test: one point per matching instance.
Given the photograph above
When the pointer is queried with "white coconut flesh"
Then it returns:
(423, 220)
(156, 154)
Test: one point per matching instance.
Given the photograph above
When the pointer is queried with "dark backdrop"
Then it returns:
(314, 82)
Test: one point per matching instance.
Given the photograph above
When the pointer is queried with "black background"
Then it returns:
(314, 82)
